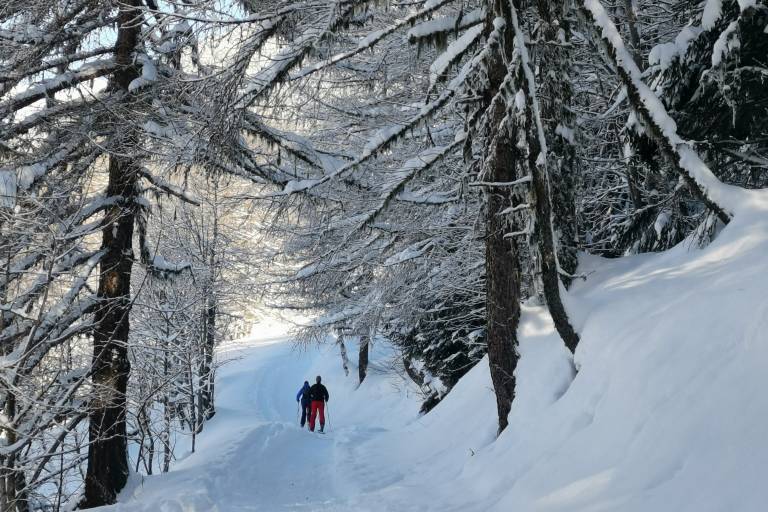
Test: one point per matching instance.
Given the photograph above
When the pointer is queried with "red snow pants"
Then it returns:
(317, 406)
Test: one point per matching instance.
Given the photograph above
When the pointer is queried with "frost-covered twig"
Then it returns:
(385, 137)
(371, 40)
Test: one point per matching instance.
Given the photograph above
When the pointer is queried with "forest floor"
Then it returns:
(666, 413)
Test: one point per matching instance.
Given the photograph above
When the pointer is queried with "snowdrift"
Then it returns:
(666, 413)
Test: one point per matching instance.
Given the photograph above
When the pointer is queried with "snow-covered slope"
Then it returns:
(667, 412)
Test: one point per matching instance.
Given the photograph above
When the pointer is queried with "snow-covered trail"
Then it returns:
(267, 461)
(254, 456)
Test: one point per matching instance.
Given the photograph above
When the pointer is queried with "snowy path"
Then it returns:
(253, 455)
(268, 461)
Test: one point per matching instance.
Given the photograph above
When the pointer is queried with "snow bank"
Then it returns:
(667, 410)
(665, 414)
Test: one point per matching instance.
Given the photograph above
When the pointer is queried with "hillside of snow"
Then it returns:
(666, 413)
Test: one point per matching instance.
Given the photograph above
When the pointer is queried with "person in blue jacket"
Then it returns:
(303, 397)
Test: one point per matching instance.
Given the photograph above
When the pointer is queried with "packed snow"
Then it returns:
(667, 411)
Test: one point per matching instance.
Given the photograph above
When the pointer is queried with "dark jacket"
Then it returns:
(318, 392)
(303, 394)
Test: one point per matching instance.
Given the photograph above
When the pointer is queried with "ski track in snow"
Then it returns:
(254, 456)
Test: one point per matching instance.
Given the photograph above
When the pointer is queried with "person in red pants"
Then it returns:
(318, 395)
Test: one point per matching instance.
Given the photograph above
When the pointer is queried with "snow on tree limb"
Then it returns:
(453, 54)
(410, 169)
(47, 88)
(292, 56)
(371, 40)
(170, 188)
(722, 199)
(410, 253)
(54, 325)
(292, 143)
(385, 137)
(446, 24)
(44, 116)
(21, 179)
(16, 75)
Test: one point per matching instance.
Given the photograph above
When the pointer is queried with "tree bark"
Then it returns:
(166, 435)
(107, 451)
(633, 171)
(193, 412)
(548, 261)
(501, 257)
(13, 488)
(555, 55)
(634, 34)
(362, 361)
(556, 94)
(13, 493)
(206, 406)
(502, 288)
(344, 358)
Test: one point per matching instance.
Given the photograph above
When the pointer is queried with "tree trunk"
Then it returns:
(13, 497)
(206, 407)
(501, 257)
(107, 456)
(362, 361)
(193, 412)
(556, 94)
(502, 288)
(634, 34)
(548, 260)
(210, 344)
(107, 451)
(556, 98)
(166, 436)
(633, 170)
(344, 358)
(13, 494)
(150, 460)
